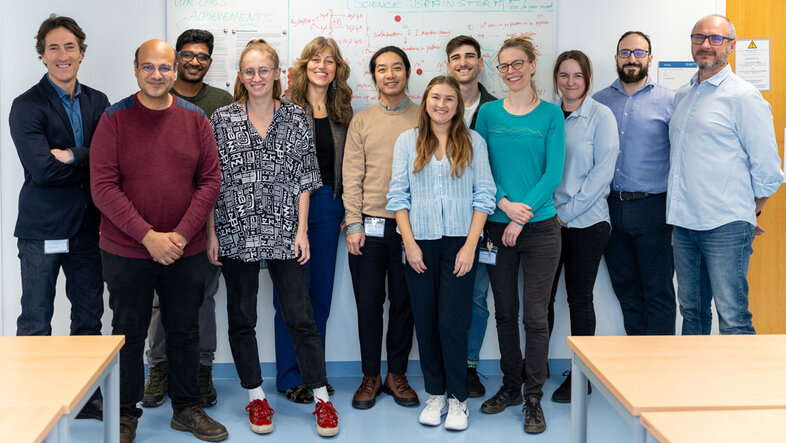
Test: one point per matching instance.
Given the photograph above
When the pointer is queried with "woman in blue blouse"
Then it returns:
(526, 141)
(591, 148)
(441, 193)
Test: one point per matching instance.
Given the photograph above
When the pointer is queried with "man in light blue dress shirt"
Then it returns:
(724, 166)
(639, 254)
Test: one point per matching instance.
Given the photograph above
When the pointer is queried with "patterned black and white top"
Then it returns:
(261, 180)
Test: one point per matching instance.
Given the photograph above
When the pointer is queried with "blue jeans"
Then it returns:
(480, 314)
(324, 222)
(641, 265)
(84, 285)
(722, 255)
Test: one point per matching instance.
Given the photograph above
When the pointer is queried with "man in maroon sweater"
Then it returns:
(155, 177)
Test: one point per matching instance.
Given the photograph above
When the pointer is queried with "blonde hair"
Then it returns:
(525, 44)
(241, 93)
(459, 149)
(339, 95)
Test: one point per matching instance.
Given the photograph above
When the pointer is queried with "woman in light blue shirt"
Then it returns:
(591, 148)
(441, 192)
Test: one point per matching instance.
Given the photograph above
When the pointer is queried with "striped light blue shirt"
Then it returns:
(591, 149)
(723, 153)
(439, 205)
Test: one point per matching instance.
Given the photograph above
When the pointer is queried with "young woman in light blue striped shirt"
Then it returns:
(441, 193)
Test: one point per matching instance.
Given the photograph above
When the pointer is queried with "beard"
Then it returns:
(720, 59)
(632, 78)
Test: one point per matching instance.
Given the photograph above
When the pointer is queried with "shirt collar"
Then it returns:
(584, 109)
(62, 94)
(398, 107)
(617, 84)
(716, 79)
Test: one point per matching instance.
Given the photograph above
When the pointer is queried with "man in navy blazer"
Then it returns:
(57, 226)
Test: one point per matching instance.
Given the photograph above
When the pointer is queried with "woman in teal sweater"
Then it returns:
(526, 144)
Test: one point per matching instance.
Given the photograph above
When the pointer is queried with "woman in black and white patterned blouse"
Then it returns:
(268, 171)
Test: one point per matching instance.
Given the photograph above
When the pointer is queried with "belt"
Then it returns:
(622, 195)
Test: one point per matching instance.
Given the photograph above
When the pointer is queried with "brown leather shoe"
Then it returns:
(397, 386)
(366, 395)
(193, 419)
(127, 429)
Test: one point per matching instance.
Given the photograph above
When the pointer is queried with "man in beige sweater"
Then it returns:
(373, 243)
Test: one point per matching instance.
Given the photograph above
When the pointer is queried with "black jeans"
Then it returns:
(537, 249)
(582, 249)
(641, 265)
(181, 288)
(381, 257)
(291, 284)
(442, 306)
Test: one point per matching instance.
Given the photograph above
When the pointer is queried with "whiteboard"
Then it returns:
(421, 27)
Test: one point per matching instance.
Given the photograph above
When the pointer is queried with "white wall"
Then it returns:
(115, 29)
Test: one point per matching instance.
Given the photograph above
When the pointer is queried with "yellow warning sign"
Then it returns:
(752, 45)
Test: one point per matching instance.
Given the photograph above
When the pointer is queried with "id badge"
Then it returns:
(374, 226)
(56, 246)
(403, 255)
(488, 254)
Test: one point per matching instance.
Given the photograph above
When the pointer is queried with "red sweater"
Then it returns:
(153, 170)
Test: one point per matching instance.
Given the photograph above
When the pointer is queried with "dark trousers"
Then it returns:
(582, 249)
(180, 287)
(537, 249)
(289, 279)
(382, 257)
(442, 307)
(641, 265)
(84, 285)
(324, 221)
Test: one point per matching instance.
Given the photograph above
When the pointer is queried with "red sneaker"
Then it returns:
(260, 416)
(327, 419)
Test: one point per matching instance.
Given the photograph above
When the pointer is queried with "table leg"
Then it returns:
(56, 434)
(639, 432)
(111, 389)
(63, 429)
(578, 404)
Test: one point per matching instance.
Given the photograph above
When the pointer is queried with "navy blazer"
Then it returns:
(55, 197)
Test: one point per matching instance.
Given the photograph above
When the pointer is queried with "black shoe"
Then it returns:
(524, 370)
(92, 409)
(330, 389)
(474, 387)
(157, 385)
(562, 394)
(207, 392)
(534, 422)
(299, 394)
(193, 419)
(502, 399)
(127, 429)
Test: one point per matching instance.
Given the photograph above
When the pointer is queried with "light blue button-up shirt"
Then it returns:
(73, 110)
(591, 148)
(440, 205)
(643, 124)
(723, 153)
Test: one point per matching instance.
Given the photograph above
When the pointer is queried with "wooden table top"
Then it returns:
(53, 370)
(739, 425)
(28, 423)
(673, 373)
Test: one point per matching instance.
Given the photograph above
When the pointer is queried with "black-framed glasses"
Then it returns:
(187, 56)
(715, 40)
(515, 64)
(263, 72)
(638, 53)
(149, 68)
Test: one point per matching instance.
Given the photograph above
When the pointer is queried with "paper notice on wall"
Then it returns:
(674, 75)
(752, 62)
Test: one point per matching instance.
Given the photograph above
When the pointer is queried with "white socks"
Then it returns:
(256, 394)
(321, 394)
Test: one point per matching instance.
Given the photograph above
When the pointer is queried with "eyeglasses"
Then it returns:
(149, 68)
(515, 64)
(187, 56)
(715, 40)
(638, 53)
(263, 72)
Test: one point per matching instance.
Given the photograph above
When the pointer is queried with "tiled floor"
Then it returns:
(385, 422)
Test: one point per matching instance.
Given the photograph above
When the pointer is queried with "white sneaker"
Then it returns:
(457, 415)
(436, 407)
